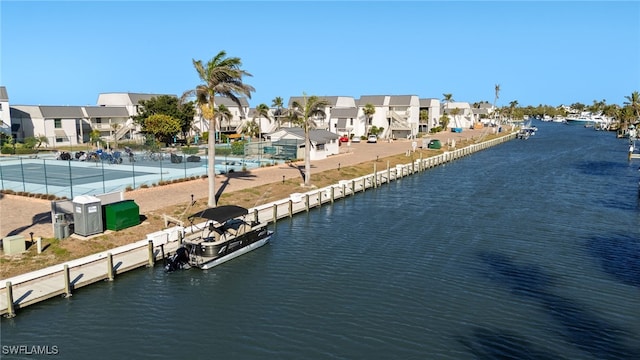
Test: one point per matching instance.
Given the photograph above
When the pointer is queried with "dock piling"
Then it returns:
(67, 281)
(11, 311)
(151, 259)
(109, 267)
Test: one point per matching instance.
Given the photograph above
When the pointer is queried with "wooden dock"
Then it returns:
(61, 280)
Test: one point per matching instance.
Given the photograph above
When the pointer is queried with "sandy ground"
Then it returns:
(22, 215)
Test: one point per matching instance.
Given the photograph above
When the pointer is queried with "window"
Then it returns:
(57, 123)
(320, 147)
(351, 122)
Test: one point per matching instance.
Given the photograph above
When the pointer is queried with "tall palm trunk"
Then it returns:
(211, 158)
(307, 157)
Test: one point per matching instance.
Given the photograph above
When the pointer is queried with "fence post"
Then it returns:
(46, 181)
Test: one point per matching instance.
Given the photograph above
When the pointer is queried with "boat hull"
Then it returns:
(217, 261)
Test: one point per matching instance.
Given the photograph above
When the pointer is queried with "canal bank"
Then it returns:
(37, 286)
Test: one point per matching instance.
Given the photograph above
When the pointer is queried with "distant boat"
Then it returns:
(526, 131)
(579, 120)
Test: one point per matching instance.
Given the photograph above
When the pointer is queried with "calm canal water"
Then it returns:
(530, 250)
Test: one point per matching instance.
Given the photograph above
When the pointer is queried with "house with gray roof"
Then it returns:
(323, 143)
(398, 115)
(432, 107)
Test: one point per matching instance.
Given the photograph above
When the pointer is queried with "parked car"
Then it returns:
(372, 139)
(344, 139)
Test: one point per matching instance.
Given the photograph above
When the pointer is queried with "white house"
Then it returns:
(328, 122)
(122, 127)
(323, 142)
(432, 107)
(464, 117)
(398, 115)
(5, 114)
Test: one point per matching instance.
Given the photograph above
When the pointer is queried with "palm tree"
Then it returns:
(634, 102)
(495, 99)
(455, 112)
(222, 76)
(304, 113)
(368, 111)
(221, 114)
(278, 103)
(512, 106)
(250, 128)
(262, 111)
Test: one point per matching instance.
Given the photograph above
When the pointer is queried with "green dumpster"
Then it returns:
(121, 215)
(434, 144)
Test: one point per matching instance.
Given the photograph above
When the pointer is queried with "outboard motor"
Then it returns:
(178, 261)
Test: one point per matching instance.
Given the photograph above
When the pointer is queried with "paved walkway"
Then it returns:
(22, 215)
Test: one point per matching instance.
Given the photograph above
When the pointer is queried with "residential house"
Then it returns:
(344, 121)
(59, 124)
(5, 114)
(463, 117)
(482, 113)
(398, 115)
(323, 143)
(328, 122)
(123, 127)
(432, 107)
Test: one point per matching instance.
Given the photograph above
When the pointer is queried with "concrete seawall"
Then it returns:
(60, 280)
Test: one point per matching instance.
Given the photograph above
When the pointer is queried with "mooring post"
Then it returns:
(67, 281)
(388, 172)
(256, 217)
(375, 175)
(306, 200)
(353, 187)
(332, 194)
(151, 259)
(275, 213)
(11, 311)
(109, 267)
(162, 251)
(39, 244)
(180, 236)
(290, 208)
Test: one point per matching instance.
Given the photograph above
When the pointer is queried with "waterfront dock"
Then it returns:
(61, 280)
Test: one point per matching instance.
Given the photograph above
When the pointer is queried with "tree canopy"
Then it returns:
(170, 106)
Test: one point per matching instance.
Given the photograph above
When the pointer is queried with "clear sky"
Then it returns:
(541, 52)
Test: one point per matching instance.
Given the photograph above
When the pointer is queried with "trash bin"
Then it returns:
(435, 144)
(121, 215)
(61, 227)
(87, 215)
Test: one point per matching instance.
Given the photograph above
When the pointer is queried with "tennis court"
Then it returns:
(64, 178)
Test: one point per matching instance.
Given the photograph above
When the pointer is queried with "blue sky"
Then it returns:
(542, 52)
